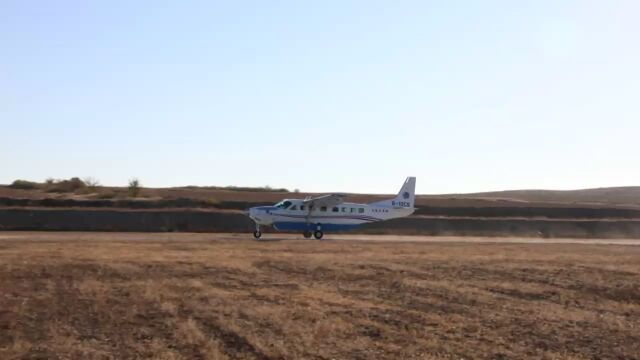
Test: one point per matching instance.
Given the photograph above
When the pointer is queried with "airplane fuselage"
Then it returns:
(345, 216)
(314, 215)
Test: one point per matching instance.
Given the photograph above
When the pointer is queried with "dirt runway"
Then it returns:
(270, 237)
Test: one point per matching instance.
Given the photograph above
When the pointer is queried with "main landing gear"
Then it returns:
(316, 234)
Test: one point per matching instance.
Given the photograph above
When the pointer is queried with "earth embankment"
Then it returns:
(190, 220)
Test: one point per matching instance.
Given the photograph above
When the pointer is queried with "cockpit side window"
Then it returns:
(283, 204)
(293, 207)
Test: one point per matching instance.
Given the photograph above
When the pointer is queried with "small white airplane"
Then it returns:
(313, 216)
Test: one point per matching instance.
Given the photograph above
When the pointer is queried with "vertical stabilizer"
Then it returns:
(406, 198)
(407, 195)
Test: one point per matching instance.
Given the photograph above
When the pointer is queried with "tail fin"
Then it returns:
(406, 197)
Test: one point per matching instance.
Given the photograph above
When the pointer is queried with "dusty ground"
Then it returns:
(203, 296)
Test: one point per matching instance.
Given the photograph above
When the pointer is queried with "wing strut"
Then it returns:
(309, 206)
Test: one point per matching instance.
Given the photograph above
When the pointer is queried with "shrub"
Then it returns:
(134, 187)
(24, 185)
(92, 183)
(70, 185)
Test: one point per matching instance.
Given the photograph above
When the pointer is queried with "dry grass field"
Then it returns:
(203, 296)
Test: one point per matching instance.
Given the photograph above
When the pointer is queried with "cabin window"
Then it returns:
(323, 208)
(344, 209)
(301, 207)
(361, 210)
(353, 210)
(335, 209)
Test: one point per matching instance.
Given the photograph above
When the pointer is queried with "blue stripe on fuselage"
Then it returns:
(301, 226)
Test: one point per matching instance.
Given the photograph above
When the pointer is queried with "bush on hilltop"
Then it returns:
(24, 185)
(66, 186)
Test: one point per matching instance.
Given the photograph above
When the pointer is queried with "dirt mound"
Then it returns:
(608, 213)
(607, 197)
(629, 195)
(189, 220)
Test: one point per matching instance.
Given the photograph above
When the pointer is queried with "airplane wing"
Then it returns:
(325, 200)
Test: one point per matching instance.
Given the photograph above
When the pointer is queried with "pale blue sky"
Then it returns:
(322, 96)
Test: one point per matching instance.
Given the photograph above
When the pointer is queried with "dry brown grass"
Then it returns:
(186, 296)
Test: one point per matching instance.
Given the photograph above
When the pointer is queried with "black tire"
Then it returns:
(307, 234)
(257, 234)
(318, 234)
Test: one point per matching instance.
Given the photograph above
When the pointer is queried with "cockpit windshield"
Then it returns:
(283, 204)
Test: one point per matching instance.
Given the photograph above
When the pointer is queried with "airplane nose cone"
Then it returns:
(259, 214)
(252, 212)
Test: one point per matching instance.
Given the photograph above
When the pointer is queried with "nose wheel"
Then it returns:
(257, 234)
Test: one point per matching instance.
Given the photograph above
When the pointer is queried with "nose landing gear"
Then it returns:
(257, 234)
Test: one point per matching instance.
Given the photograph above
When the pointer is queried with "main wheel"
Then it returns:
(307, 234)
(257, 234)
(318, 234)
